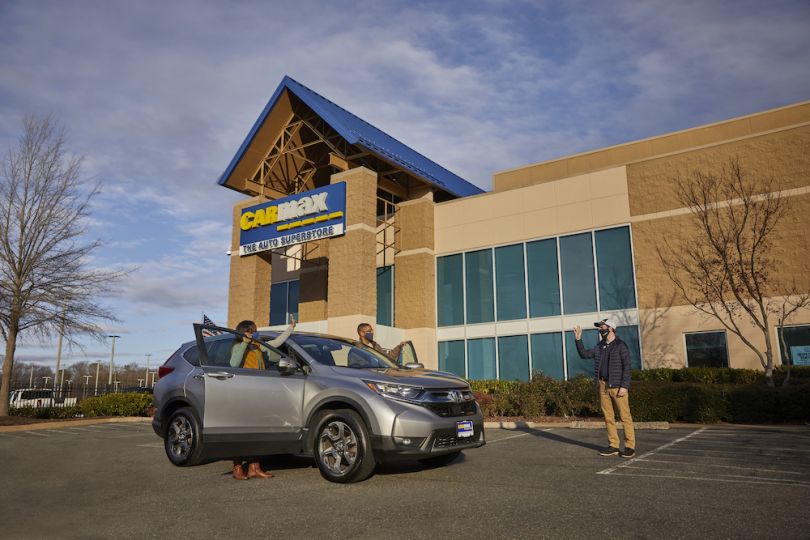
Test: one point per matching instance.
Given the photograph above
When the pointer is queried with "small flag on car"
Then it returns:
(207, 332)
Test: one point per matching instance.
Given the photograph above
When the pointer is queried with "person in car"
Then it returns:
(365, 334)
(254, 358)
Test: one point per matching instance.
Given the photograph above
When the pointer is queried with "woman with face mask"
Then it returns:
(248, 353)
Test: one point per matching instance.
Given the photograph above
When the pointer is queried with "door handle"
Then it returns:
(198, 376)
(221, 375)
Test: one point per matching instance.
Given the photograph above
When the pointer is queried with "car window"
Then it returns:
(192, 356)
(407, 354)
(228, 349)
(335, 352)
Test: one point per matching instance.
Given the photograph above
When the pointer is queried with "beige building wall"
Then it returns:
(249, 288)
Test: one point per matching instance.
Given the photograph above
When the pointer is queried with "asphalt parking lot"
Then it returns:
(113, 479)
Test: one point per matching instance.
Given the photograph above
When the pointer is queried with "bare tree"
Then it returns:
(726, 270)
(45, 276)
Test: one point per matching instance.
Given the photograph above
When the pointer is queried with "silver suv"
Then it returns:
(344, 404)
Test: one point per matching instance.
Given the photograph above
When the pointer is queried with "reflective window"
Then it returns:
(450, 290)
(577, 365)
(480, 297)
(615, 264)
(451, 357)
(629, 334)
(547, 354)
(544, 283)
(796, 346)
(707, 349)
(283, 302)
(576, 262)
(513, 358)
(510, 282)
(481, 358)
(385, 295)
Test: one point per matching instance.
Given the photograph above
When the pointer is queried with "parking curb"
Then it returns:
(69, 423)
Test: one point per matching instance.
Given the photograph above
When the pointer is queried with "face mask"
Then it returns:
(369, 336)
(604, 333)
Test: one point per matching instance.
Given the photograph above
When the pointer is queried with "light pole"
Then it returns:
(46, 379)
(112, 359)
(97, 366)
(59, 353)
(31, 377)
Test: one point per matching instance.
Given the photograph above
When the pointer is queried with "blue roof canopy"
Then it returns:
(358, 132)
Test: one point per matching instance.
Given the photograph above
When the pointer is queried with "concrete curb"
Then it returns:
(69, 423)
(577, 424)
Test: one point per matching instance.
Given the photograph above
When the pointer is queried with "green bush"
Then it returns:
(134, 404)
(704, 375)
(671, 402)
(45, 412)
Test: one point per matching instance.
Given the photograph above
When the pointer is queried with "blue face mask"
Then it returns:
(369, 336)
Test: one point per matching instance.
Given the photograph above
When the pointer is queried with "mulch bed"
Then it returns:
(23, 420)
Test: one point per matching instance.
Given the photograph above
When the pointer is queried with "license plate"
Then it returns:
(464, 429)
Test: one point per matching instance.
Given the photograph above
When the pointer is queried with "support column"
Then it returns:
(250, 276)
(415, 277)
(352, 278)
(313, 284)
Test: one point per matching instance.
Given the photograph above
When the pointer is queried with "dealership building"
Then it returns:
(342, 224)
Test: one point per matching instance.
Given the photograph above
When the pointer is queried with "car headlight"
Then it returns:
(400, 391)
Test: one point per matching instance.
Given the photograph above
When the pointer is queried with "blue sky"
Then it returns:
(158, 96)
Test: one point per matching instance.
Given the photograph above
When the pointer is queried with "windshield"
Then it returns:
(336, 352)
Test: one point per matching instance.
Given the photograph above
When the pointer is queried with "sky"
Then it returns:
(158, 96)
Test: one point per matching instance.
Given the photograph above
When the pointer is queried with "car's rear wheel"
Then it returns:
(342, 447)
(442, 460)
(182, 440)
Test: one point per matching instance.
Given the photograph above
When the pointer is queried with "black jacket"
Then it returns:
(618, 356)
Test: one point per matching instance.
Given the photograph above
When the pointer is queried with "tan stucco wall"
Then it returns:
(572, 204)
(681, 141)
(663, 343)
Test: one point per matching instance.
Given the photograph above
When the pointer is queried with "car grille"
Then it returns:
(447, 410)
(446, 438)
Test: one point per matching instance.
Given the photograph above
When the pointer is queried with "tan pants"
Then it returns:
(607, 399)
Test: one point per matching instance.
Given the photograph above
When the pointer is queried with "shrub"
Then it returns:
(686, 402)
(45, 412)
(134, 404)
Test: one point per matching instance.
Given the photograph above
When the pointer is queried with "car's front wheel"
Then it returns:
(182, 440)
(342, 447)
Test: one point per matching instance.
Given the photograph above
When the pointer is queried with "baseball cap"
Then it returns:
(610, 322)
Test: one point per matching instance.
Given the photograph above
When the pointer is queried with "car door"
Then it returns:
(407, 355)
(259, 410)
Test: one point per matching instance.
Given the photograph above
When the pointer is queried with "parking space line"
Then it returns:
(653, 452)
(747, 477)
(38, 434)
(515, 436)
(150, 445)
(57, 431)
(12, 436)
(780, 471)
(81, 429)
(707, 479)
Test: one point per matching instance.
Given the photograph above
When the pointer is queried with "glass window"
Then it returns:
(629, 334)
(577, 365)
(576, 262)
(544, 283)
(283, 302)
(481, 358)
(706, 349)
(451, 357)
(547, 354)
(480, 298)
(510, 282)
(513, 358)
(796, 345)
(450, 290)
(614, 261)
(385, 295)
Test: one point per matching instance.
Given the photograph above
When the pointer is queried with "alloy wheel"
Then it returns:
(181, 433)
(338, 447)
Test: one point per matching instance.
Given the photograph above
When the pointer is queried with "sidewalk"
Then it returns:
(78, 422)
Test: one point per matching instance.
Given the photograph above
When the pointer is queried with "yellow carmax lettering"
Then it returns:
(246, 222)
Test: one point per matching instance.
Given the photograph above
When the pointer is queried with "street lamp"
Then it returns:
(112, 358)
(96, 390)
(146, 375)
(46, 379)
(59, 353)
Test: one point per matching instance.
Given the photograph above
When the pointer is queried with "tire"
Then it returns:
(342, 447)
(442, 460)
(182, 440)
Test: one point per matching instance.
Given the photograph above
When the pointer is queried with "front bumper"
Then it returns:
(421, 434)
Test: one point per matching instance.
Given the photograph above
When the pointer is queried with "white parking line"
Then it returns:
(150, 445)
(36, 433)
(653, 452)
(515, 436)
(712, 479)
(10, 435)
(82, 429)
(780, 471)
(57, 431)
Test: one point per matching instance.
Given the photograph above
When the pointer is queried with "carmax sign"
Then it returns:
(299, 218)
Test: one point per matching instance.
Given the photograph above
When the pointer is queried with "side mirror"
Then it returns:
(287, 366)
(414, 365)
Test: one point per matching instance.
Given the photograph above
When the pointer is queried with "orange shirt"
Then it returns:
(253, 359)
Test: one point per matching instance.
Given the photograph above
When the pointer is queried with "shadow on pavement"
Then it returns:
(561, 439)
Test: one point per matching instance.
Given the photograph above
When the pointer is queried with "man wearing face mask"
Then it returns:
(365, 333)
(612, 370)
